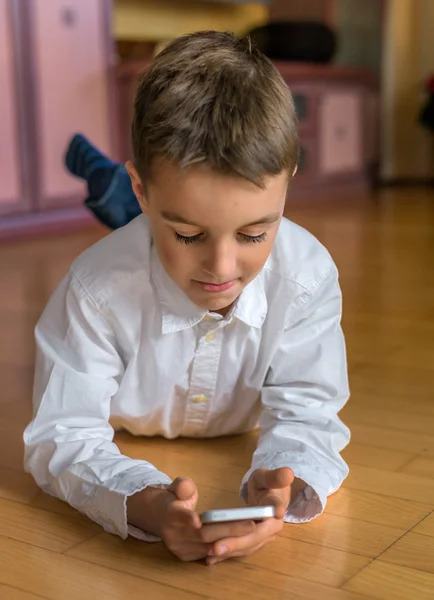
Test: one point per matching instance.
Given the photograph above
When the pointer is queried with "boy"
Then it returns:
(201, 317)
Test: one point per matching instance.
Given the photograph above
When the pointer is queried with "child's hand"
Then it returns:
(271, 487)
(265, 487)
(170, 514)
(182, 531)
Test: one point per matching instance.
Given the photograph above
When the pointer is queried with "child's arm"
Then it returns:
(69, 446)
(305, 389)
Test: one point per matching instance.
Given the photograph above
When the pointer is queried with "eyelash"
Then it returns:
(246, 239)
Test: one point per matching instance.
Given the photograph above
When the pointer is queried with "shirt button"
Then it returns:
(208, 318)
(210, 337)
(199, 399)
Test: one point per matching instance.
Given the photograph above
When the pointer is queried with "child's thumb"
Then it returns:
(282, 477)
(274, 478)
(183, 488)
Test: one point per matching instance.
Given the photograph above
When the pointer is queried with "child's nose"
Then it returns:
(220, 262)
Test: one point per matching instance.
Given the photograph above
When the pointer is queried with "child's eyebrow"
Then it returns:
(174, 218)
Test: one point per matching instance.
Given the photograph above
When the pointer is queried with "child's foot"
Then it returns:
(111, 197)
(84, 160)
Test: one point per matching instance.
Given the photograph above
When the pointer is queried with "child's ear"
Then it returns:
(295, 170)
(137, 185)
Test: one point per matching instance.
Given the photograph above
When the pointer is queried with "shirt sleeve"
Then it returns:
(305, 388)
(69, 448)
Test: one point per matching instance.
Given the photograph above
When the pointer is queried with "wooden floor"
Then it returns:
(376, 538)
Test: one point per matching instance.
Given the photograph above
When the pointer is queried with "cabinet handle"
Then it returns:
(68, 17)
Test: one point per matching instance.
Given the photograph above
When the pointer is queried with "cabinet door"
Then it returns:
(340, 119)
(12, 197)
(71, 59)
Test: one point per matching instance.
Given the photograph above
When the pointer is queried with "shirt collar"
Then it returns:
(251, 306)
(178, 312)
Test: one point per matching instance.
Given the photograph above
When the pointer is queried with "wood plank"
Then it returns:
(232, 450)
(175, 457)
(284, 556)
(392, 352)
(377, 384)
(20, 487)
(426, 527)
(348, 535)
(9, 593)
(374, 508)
(59, 577)
(385, 581)
(298, 559)
(420, 405)
(40, 528)
(393, 439)
(386, 483)
(383, 258)
(358, 414)
(11, 442)
(413, 550)
(224, 476)
(235, 579)
(17, 340)
(420, 466)
(17, 383)
(372, 456)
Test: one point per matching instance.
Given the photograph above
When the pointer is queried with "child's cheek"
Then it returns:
(172, 256)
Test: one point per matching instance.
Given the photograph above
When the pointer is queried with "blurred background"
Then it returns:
(362, 76)
(359, 72)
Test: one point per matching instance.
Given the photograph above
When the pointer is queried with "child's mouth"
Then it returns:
(216, 287)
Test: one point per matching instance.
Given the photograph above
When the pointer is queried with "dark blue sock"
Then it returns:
(111, 197)
(83, 160)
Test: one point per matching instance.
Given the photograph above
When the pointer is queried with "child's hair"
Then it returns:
(211, 98)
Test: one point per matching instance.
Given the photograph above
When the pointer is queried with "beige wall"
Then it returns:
(161, 20)
(408, 59)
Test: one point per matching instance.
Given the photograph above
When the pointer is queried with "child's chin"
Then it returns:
(218, 303)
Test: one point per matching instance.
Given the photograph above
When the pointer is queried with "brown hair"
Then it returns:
(211, 98)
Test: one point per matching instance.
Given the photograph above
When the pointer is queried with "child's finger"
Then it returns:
(280, 504)
(212, 533)
(189, 551)
(239, 546)
(213, 560)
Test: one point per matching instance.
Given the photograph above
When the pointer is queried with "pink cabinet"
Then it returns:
(56, 58)
(12, 194)
(70, 57)
(337, 109)
(341, 121)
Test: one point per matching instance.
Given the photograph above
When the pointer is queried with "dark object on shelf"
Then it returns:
(299, 41)
(426, 115)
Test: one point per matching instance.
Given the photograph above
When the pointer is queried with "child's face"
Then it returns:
(213, 233)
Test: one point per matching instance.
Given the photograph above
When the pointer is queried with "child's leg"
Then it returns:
(111, 197)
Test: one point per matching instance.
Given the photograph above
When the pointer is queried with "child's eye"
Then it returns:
(188, 239)
(243, 237)
(252, 239)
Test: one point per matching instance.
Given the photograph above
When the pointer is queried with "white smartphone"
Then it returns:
(252, 513)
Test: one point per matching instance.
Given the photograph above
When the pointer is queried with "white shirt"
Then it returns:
(120, 346)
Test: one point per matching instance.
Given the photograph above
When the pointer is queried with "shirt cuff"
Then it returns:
(109, 505)
(309, 502)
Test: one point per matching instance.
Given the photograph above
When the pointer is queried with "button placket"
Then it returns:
(203, 382)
